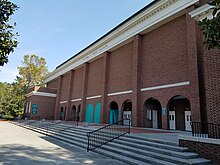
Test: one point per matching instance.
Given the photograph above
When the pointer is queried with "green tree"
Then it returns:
(12, 96)
(211, 27)
(32, 72)
(8, 40)
(8, 100)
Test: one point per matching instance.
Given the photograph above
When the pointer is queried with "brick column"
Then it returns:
(57, 108)
(70, 89)
(136, 81)
(84, 89)
(104, 106)
(193, 66)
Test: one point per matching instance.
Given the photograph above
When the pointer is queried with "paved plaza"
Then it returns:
(19, 146)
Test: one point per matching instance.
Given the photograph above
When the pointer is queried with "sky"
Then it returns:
(59, 29)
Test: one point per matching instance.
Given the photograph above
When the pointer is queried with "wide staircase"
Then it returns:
(131, 149)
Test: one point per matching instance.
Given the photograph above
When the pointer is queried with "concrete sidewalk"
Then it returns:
(19, 146)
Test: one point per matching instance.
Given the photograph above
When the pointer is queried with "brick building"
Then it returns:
(152, 68)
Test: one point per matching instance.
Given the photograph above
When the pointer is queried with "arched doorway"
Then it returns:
(153, 110)
(62, 113)
(73, 113)
(127, 112)
(97, 112)
(89, 113)
(78, 113)
(179, 113)
(113, 106)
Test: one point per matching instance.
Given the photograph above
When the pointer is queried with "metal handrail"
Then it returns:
(106, 134)
(206, 130)
(75, 120)
(50, 124)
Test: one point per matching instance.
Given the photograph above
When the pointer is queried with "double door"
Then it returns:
(126, 115)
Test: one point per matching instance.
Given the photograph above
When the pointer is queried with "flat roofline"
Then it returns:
(119, 25)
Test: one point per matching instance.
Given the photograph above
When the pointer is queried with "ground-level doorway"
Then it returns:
(73, 113)
(179, 113)
(127, 112)
(62, 115)
(78, 113)
(152, 108)
(113, 112)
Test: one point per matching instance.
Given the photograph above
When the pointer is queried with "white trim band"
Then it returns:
(74, 100)
(93, 97)
(119, 93)
(62, 102)
(165, 86)
(35, 93)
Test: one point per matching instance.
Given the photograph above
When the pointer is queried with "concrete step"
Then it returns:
(122, 158)
(132, 136)
(185, 155)
(127, 154)
(76, 140)
(149, 143)
(129, 148)
(164, 157)
(71, 141)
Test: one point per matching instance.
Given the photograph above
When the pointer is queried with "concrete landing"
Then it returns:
(19, 146)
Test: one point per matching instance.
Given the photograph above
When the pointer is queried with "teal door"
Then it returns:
(113, 116)
(97, 113)
(89, 113)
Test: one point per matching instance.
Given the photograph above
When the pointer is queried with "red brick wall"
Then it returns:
(95, 77)
(46, 106)
(64, 88)
(53, 84)
(93, 102)
(212, 84)
(77, 83)
(120, 66)
(167, 55)
(164, 55)
(164, 60)
(206, 150)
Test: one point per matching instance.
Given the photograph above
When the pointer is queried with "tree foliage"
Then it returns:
(211, 27)
(9, 102)
(32, 72)
(12, 96)
(8, 40)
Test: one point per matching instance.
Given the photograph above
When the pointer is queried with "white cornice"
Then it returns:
(141, 22)
(202, 12)
(35, 93)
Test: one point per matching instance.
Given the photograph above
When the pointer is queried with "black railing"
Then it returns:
(206, 130)
(49, 125)
(74, 121)
(107, 134)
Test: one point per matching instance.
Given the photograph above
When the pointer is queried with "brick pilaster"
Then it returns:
(192, 52)
(56, 114)
(84, 89)
(104, 106)
(70, 89)
(136, 80)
